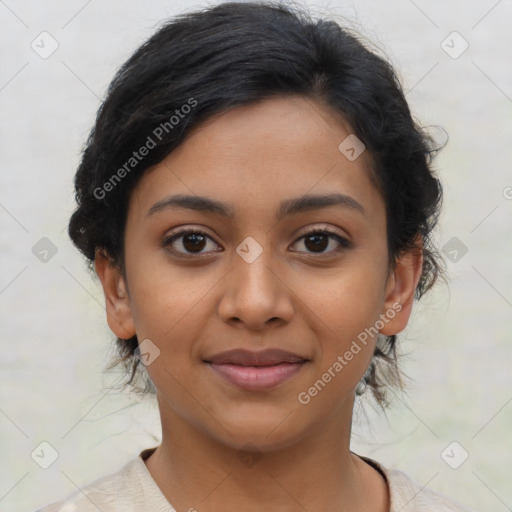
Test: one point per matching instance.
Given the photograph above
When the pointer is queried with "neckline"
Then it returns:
(378, 467)
(375, 465)
(147, 452)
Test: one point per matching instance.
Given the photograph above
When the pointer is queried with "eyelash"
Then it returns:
(344, 243)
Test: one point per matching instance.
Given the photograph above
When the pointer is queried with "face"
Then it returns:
(254, 322)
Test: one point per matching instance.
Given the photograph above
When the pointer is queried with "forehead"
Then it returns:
(256, 155)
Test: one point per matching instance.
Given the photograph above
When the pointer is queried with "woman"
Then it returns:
(258, 204)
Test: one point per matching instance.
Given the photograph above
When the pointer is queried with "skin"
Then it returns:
(291, 297)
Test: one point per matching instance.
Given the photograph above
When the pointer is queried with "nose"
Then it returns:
(255, 295)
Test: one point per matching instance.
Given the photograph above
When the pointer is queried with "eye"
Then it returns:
(318, 240)
(192, 242)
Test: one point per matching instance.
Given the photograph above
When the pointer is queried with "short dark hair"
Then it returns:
(205, 62)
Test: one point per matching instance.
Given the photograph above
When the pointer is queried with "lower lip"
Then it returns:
(256, 378)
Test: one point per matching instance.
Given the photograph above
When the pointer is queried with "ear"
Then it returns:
(117, 301)
(400, 290)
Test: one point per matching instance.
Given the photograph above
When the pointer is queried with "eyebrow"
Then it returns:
(287, 207)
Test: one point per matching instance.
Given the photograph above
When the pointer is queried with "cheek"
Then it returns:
(347, 301)
(165, 298)
(172, 311)
(343, 310)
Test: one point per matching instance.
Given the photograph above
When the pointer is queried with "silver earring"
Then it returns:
(361, 386)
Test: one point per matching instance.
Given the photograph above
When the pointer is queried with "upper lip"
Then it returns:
(268, 357)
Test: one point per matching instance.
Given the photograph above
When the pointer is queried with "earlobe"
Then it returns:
(117, 300)
(400, 291)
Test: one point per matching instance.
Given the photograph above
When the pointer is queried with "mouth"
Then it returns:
(256, 371)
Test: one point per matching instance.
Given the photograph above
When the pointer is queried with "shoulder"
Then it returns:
(99, 494)
(409, 496)
(131, 489)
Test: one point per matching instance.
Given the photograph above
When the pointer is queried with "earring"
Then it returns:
(361, 386)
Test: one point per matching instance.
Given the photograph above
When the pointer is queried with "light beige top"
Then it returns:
(132, 489)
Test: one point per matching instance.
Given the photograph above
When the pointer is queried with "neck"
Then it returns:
(317, 473)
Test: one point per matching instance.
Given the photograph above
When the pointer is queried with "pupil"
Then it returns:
(317, 242)
(313, 242)
(196, 241)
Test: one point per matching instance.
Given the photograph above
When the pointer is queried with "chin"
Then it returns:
(258, 441)
(263, 429)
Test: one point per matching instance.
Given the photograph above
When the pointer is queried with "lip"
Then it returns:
(256, 371)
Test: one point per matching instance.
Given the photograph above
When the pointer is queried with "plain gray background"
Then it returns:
(55, 340)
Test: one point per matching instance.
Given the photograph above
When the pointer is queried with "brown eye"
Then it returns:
(316, 243)
(194, 242)
(319, 240)
(188, 242)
